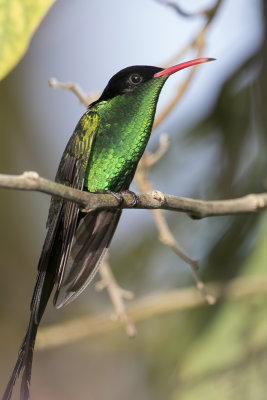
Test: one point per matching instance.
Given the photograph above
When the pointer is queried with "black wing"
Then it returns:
(92, 237)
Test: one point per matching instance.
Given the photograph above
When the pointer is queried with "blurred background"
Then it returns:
(218, 151)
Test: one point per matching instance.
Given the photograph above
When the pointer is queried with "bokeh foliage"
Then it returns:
(18, 21)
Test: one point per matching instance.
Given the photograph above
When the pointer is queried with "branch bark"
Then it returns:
(152, 200)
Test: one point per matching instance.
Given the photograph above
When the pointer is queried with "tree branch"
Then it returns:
(74, 88)
(153, 200)
(205, 12)
(164, 232)
(198, 43)
(153, 305)
(163, 147)
(117, 296)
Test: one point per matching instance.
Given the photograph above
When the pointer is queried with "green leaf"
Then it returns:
(18, 21)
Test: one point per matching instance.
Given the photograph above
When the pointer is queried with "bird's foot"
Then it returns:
(119, 196)
(133, 195)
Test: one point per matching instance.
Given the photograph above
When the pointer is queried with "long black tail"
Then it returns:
(92, 237)
(45, 281)
(24, 362)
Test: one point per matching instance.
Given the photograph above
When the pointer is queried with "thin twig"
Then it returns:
(165, 235)
(85, 99)
(181, 89)
(184, 13)
(198, 42)
(199, 36)
(153, 305)
(153, 158)
(153, 200)
(117, 295)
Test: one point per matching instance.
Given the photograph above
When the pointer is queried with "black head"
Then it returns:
(130, 78)
(127, 80)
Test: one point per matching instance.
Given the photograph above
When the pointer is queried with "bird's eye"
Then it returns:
(135, 79)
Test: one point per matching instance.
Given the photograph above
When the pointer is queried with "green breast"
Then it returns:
(125, 124)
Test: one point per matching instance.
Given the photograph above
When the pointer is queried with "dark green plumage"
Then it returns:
(102, 154)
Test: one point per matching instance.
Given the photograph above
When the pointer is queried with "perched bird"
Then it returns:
(101, 155)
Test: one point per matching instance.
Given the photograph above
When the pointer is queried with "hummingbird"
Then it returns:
(101, 156)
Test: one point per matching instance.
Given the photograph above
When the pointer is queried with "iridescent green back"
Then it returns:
(125, 123)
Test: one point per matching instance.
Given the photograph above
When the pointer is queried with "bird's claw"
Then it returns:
(134, 197)
(119, 196)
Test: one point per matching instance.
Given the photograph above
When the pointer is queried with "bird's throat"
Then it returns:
(125, 124)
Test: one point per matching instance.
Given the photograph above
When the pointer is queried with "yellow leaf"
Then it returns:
(18, 21)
